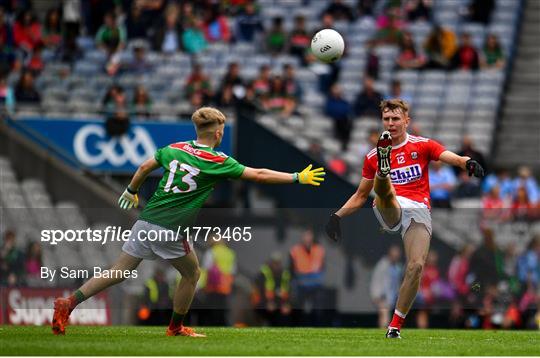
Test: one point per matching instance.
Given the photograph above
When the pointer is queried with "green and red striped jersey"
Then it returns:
(191, 171)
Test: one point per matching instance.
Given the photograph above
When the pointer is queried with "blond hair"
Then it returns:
(393, 104)
(207, 120)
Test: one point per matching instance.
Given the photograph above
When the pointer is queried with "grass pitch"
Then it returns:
(127, 340)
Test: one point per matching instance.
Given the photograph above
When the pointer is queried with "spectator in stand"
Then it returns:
(338, 165)
(389, 27)
(34, 62)
(232, 87)
(500, 177)
(528, 267)
(249, 23)
(372, 62)
(225, 97)
(494, 208)
(27, 31)
(365, 8)
(486, 262)
(419, 10)
(440, 47)
(33, 263)
(71, 17)
(528, 272)
(277, 99)
(25, 91)
(408, 57)
(276, 38)
(467, 187)
(468, 150)
(493, 55)
(442, 182)
(396, 92)
(136, 24)
(141, 104)
(114, 100)
(522, 208)
(52, 29)
(193, 39)
(480, 11)
(169, 34)
(7, 44)
(340, 11)
(216, 26)
(339, 109)
(198, 85)
(299, 38)
(458, 272)
(261, 85)
(272, 286)
(69, 51)
(111, 37)
(526, 180)
(232, 77)
(138, 65)
(466, 57)
(368, 100)
(385, 281)
(307, 267)
(7, 97)
(11, 261)
(291, 84)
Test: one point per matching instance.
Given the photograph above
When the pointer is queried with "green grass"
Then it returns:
(127, 340)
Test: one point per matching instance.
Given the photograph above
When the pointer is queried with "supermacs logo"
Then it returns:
(404, 175)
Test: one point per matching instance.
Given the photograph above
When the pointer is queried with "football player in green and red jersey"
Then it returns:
(191, 170)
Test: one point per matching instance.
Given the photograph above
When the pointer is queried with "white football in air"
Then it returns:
(327, 45)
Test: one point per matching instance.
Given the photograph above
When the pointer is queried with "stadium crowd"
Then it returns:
(484, 287)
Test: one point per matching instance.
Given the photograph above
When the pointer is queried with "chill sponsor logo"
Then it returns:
(93, 147)
(404, 175)
(35, 307)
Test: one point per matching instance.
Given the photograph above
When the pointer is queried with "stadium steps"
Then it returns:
(522, 104)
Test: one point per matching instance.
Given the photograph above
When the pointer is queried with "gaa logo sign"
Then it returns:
(325, 48)
(93, 147)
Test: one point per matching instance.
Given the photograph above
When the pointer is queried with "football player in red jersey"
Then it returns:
(397, 169)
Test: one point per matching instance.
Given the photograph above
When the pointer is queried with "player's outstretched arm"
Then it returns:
(466, 163)
(355, 202)
(129, 198)
(307, 176)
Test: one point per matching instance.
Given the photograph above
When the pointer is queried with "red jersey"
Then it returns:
(410, 165)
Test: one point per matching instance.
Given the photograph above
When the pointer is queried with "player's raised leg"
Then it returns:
(416, 242)
(64, 306)
(386, 201)
(188, 266)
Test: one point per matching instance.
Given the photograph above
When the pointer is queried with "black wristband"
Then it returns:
(132, 192)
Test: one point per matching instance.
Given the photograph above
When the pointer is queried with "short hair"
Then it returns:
(207, 120)
(393, 104)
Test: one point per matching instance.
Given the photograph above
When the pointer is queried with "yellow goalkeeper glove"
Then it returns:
(311, 177)
(129, 199)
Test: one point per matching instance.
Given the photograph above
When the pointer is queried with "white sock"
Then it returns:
(402, 315)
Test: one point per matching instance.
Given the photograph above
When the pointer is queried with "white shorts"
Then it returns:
(149, 241)
(410, 210)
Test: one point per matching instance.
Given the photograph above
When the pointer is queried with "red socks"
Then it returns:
(397, 320)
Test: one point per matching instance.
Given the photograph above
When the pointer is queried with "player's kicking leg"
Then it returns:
(416, 241)
(385, 200)
(64, 306)
(188, 266)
